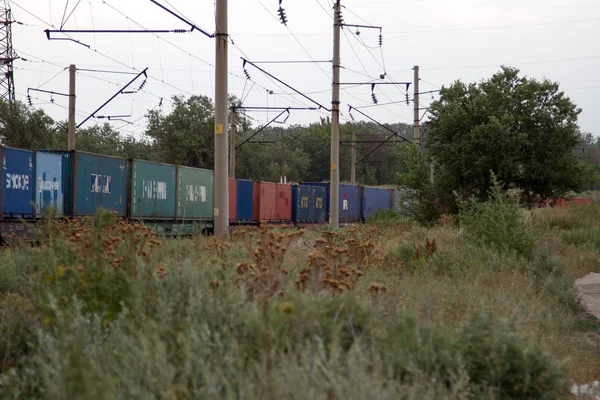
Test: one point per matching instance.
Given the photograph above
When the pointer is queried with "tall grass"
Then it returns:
(104, 309)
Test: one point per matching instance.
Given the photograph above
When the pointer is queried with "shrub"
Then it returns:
(496, 223)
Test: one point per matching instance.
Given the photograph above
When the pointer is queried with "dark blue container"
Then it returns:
(92, 181)
(326, 187)
(350, 203)
(18, 183)
(245, 200)
(375, 199)
(320, 199)
(309, 203)
(49, 188)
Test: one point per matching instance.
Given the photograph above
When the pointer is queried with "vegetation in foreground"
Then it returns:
(102, 309)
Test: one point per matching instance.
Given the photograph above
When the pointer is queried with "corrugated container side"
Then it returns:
(284, 202)
(321, 185)
(265, 201)
(194, 193)
(374, 199)
(350, 203)
(319, 202)
(301, 200)
(18, 182)
(245, 200)
(232, 199)
(49, 192)
(153, 190)
(99, 181)
(391, 199)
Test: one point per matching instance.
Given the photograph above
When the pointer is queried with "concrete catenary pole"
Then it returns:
(221, 186)
(353, 166)
(417, 134)
(334, 178)
(232, 133)
(71, 120)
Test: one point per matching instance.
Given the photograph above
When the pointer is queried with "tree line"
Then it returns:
(185, 136)
(523, 131)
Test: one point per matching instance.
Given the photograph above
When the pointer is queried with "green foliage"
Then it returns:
(426, 201)
(25, 127)
(549, 278)
(186, 135)
(522, 129)
(496, 222)
(176, 324)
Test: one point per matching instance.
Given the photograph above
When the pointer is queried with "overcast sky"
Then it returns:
(448, 39)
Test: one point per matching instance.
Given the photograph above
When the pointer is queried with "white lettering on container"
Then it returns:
(194, 193)
(17, 181)
(100, 184)
(47, 186)
(154, 190)
(344, 204)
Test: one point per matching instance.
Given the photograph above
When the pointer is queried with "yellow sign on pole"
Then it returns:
(333, 166)
(218, 129)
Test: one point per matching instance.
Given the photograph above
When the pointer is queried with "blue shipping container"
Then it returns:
(95, 181)
(375, 199)
(326, 187)
(245, 199)
(18, 183)
(319, 200)
(49, 183)
(349, 201)
(309, 203)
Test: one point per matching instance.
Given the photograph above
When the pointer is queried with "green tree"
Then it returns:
(26, 127)
(522, 129)
(186, 135)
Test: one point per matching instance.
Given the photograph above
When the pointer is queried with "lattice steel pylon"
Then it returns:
(7, 53)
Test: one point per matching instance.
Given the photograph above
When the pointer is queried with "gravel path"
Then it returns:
(588, 288)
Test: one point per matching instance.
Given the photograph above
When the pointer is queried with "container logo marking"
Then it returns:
(194, 193)
(345, 205)
(47, 186)
(101, 184)
(17, 181)
(154, 190)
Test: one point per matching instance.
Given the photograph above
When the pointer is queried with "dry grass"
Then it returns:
(438, 275)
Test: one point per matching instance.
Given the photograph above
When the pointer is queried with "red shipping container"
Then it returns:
(232, 199)
(284, 202)
(265, 201)
(580, 201)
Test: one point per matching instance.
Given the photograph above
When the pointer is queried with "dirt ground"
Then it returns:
(588, 288)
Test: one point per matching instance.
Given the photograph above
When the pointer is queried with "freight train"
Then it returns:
(172, 199)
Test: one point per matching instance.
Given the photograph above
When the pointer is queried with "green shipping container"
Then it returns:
(152, 190)
(194, 194)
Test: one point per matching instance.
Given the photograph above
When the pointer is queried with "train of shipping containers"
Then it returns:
(350, 201)
(91, 181)
(153, 191)
(374, 199)
(194, 194)
(309, 204)
(232, 200)
(18, 183)
(245, 201)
